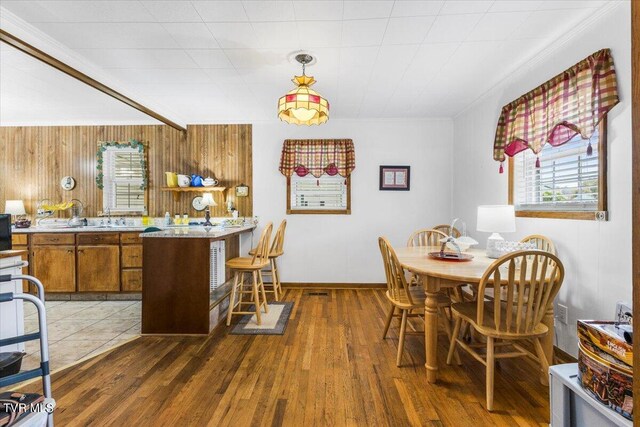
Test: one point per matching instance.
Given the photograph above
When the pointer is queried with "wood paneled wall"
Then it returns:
(33, 160)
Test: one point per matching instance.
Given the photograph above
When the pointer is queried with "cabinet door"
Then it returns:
(55, 266)
(132, 280)
(98, 268)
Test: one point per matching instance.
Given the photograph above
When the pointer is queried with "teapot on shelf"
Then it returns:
(196, 180)
(184, 180)
(210, 182)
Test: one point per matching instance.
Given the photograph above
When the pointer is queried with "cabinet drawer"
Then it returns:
(131, 256)
(98, 239)
(19, 239)
(130, 238)
(132, 280)
(53, 239)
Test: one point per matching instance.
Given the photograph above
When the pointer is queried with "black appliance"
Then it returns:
(5, 232)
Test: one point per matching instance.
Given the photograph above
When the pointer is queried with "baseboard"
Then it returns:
(562, 356)
(303, 285)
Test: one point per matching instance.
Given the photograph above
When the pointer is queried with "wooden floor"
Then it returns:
(330, 368)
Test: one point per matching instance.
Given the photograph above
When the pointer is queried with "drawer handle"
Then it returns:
(133, 256)
(54, 239)
(79, 250)
(70, 251)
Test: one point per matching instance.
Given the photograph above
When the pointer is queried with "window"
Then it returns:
(124, 180)
(568, 184)
(324, 195)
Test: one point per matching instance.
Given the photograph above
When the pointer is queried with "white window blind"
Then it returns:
(567, 179)
(123, 180)
(324, 193)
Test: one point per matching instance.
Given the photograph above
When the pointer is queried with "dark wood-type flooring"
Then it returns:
(330, 368)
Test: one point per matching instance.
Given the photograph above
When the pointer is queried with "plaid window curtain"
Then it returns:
(571, 103)
(317, 157)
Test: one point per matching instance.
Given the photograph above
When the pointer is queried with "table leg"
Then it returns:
(547, 342)
(432, 286)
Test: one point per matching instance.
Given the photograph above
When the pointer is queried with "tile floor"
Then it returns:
(78, 329)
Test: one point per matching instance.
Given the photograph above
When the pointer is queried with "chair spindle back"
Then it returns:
(426, 237)
(397, 286)
(446, 229)
(543, 243)
(277, 246)
(529, 281)
(261, 254)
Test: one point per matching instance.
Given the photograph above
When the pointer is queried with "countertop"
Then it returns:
(87, 229)
(11, 253)
(198, 232)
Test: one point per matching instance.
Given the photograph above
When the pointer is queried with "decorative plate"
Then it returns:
(67, 183)
(450, 256)
(197, 203)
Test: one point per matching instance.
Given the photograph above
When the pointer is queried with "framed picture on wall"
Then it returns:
(395, 178)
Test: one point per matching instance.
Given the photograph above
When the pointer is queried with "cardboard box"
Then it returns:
(606, 340)
(605, 382)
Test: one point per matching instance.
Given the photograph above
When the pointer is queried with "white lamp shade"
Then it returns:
(207, 200)
(14, 207)
(496, 218)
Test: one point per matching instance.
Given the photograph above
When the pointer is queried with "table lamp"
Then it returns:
(495, 219)
(15, 208)
(207, 200)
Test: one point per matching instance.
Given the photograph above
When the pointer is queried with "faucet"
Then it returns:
(108, 212)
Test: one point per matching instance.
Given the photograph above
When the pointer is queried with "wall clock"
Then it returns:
(67, 183)
(197, 203)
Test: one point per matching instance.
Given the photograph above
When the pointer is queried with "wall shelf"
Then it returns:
(177, 190)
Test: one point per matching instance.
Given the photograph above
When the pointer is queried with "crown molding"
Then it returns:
(17, 27)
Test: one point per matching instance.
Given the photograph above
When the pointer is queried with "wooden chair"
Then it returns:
(531, 279)
(543, 243)
(446, 229)
(254, 266)
(426, 237)
(431, 237)
(404, 298)
(276, 250)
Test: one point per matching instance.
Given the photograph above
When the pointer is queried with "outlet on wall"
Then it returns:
(562, 313)
(623, 312)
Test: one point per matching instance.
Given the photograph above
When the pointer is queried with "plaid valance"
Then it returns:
(569, 104)
(317, 157)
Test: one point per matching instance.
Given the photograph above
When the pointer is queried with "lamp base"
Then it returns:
(207, 218)
(492, 251)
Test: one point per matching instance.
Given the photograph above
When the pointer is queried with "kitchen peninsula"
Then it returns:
(184, 277)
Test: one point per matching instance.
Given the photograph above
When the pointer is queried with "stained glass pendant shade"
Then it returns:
(303, 105)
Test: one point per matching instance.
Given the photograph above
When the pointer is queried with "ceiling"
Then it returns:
(217, 61)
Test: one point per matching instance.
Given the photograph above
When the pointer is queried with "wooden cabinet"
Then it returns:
(132, 280)
(53, 239)
(21, 242)
(131, 238)
(98, 268)
(98, 239)
(55, 266)
(84, 262)
(132, 256)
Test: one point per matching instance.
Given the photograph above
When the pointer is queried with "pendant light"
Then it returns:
(303, 105)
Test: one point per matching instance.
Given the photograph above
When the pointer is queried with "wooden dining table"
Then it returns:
(436, 275)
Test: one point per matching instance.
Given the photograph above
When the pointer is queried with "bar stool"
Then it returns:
(254, 266)
(277, 250)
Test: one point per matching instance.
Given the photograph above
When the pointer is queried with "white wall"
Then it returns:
(344, 248)
(597, 255)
